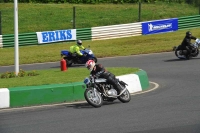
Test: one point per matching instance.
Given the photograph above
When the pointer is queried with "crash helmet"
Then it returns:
(90, 65)
(79, 42)
(188, 34)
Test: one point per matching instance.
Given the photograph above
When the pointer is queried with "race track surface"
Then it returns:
(174, 107)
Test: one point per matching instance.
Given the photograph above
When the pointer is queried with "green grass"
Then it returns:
(102, 48)
(43, 17)
(55, 76)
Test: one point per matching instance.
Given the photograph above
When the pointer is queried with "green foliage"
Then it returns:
(194, 2)
(8, 75)
(21, 73)
(34, 17)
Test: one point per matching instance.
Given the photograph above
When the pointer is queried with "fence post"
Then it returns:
(139, 15)
(74, 18)
(0, 24)
(199, 7)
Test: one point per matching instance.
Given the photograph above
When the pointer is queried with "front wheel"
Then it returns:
(94, 59)
(93, 98)
(125, 97)
(195, 53)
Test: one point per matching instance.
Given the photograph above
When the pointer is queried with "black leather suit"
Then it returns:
(101, 72)
(186, 43)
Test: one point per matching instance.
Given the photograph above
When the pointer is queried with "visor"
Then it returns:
(88, 67)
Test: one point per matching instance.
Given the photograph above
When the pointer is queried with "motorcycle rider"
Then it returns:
(75, 49)
(98, 71)
(186, 43)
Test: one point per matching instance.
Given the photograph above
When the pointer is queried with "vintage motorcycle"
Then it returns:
(72, 59)
(98, 90)
(183, 54)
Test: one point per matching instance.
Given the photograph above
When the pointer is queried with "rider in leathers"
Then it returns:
(186, 43)
(99, 71)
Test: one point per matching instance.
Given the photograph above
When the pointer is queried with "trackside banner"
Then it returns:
(56, 36)
(159, 26)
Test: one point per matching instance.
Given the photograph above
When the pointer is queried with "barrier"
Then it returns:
(116, 31)
(99, 33)
(189, 22)
(27, 39)
(61, 93)
(1, 41)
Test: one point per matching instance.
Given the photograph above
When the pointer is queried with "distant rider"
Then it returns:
(75, 49)
(186, 43)
(98, 71)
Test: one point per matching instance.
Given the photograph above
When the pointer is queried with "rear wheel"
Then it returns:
(125, 97)
(181, 54)
(68, 62)
(177, 53)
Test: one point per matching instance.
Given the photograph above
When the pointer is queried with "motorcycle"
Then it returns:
(183, 54)
(98, 90)
(72, 58)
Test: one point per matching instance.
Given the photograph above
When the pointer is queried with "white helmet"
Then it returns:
(79, 42)
(90, 65)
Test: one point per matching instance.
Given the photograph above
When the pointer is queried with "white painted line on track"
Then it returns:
(51, 105)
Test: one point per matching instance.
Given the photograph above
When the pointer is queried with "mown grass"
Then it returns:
(39, 17)
(102, 48)
(44, 17)
(55, 76)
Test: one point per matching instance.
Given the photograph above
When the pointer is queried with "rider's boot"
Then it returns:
(120, 89)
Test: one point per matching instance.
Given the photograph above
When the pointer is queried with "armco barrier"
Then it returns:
(99, 33)
(189, 22)
(1, 41)
(116, 31)
(60, 93)
(26, 39)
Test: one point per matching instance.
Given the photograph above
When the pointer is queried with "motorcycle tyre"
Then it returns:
(196, 53)
(125, 100)
(69, 62)
(92, 103)
(176, 53)
(184, 56)
(94, 59)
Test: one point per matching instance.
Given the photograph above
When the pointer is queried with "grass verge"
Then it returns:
(34, 17)
(103, 48)
(55, 76)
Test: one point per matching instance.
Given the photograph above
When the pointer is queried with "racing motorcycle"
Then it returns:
(72, 58)
(98, 90)
(183, 54)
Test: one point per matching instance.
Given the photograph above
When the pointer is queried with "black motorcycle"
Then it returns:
(98, 90)
(183, 54)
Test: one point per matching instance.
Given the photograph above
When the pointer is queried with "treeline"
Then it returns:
(193, 2)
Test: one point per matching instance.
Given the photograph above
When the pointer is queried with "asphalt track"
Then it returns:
(173, 107)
